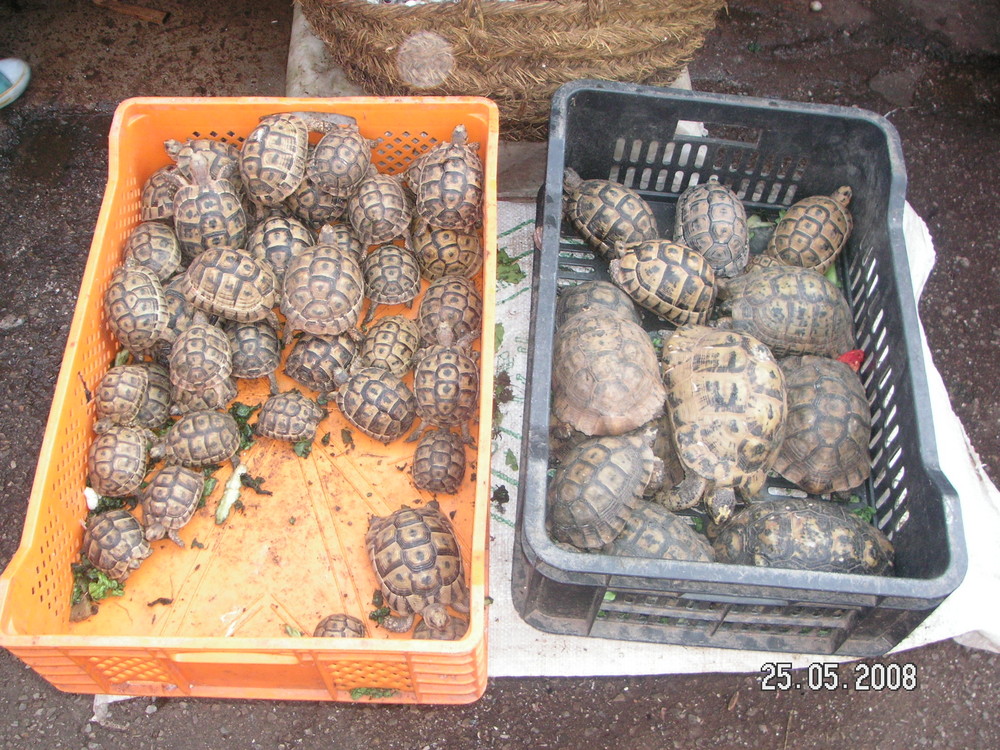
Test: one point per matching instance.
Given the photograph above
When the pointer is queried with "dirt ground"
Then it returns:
(933, 69)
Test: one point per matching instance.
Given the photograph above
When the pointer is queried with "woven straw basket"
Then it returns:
(517, 52)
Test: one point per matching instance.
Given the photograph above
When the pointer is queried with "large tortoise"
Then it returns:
(289, 416)
(377, 402)
(114, 543)
(606, 212)
(711, 220)
(200, 439)
(207, 212)
(116, 460)
(273, 158)
(813, 231)
(418, 566)
(655, 532)
(169, 501)
(448, 184)
(228, 283)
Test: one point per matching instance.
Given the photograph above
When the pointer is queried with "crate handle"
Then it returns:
(235, 657)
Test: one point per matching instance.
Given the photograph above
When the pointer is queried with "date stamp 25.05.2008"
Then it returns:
(863, 676)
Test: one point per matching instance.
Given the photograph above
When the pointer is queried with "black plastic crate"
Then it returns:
(771, 153)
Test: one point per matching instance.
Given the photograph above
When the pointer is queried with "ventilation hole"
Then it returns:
(629, 180)
(682, 161)
(897, 479)
(720, 158)
(654, 148)
(889, 440)
(902, 521)
(699, 159)
(661, 180)
(214, 134)
(742, 192)
(875, 441)
(615, 171)
(619, 149)
(751, 163)
(878, 321)
(693, 180)
(636, 153)
(758, 191)
(644, 178)
(891, 416)
(196, 134)
(736, 160)
(900, 498)
(678, 182)
(668, 152)
(790, 195)
(772, 197)
(800, 169)
(766, 165)
(882, 499)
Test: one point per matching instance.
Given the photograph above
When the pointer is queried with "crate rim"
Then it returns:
(933, 589)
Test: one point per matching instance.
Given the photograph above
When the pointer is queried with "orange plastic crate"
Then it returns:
(290, 558)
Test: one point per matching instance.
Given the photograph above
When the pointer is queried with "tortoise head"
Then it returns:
(436, 616)
(843, 195)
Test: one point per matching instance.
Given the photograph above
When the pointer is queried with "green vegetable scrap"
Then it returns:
(114, 503)
(121, 358)
(865, 513)
(501, 497)
(498, 333)
(379, 614)
(325, 440)
(303, 448)
(88, 580)
(508, 269)
(833, 276)
(241, 413)
(347, 438)
(254, 483)
(362, 692)
(511, 460)
(293, 632)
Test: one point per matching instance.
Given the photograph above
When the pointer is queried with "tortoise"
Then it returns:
(813, 231)
(273, 158)
(201, 357)
(392, 277)
(256, 351)
(726, 403)
(597, 488)
(323, 291)
(447, 252)
(121, 393)
(314, 360)
(379, 211)
(289, 416)
(655, 532)
(448, 184)
(451, 299)
(313, 206)
(377, 402)
(711, 220)
(225, 282)
(339, 161)
(439, 462)
(606, 212)
(201, 438)
(155, 408)
(181, 314)
(116, 460)
(207, 212)
(223, 158)
(595, 295)
(169, 501)
(114, 543)
(804, 534)
(418, 566)
(157, 196)
(446, 383)
(344, 236)
(828, 427)
(390, 343)
(668, 279)
(457, 627)
(213, 395)
(792, 310)
(154, 245)
(340, 626)
(605, 375)
(276, 240)
(136, 308)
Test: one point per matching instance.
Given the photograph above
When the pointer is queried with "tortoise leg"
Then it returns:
(467, 435)
(684, 495)
(175, 537)
(398, 623)
(273, 381)
(372, 307)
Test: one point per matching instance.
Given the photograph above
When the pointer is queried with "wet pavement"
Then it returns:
(933, 73)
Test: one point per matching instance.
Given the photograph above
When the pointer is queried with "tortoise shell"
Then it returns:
(792, 310)
(653, 531)
(154, 245)
(813, 231)
(605, 375)
(378, 211)
(313, 206)
(157, 196)
(804, 534)
(390, 343)
(116, 460)
(202, 438)
(447, 252)
(213, 395)
(448, 184)
(273, 158)
(207, 213)
(453, 300)
(606, 213)
(155, 408)
(315, 360)
(596, 489)
(446, 385)
(726, 403)
(169, 501)
(114, 543)
(181, 315)
(323, 290)
(136, 308)
(121, 393)
(225, 282)
(289, 416)
(457, 627)
(392, 277)
(439, 462)
(418, 565)
(276, 240)
(711, 219)
(201, 356)
(588, 296)
(223, 158)
(668, 279)
(376, 402)
(256, 349)
(340, 626)
(828, 426)
(339, 161)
